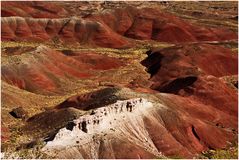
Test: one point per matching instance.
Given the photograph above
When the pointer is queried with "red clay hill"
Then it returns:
(103, 84)
(42, 69)
(184, 70)
(35, 9)
(113, 29)
(193, 110)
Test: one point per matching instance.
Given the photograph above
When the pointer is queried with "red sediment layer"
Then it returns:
(42, 70)
(111, 29)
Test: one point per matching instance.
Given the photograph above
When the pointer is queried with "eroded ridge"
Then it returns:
(100, 121)
(95, 121)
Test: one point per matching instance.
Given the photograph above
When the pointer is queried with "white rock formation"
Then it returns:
(123, 119)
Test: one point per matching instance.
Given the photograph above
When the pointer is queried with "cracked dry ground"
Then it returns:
(119, 79)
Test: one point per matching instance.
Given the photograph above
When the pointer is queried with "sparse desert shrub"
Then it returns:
(32, 153)
(228, 153)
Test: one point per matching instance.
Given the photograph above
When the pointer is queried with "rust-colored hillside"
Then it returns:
(119, 79)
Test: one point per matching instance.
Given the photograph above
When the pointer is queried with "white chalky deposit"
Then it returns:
(123, 118)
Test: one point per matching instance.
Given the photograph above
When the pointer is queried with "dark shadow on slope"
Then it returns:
(92, 100)
(153, 62)
(195, 133)
(175, 85)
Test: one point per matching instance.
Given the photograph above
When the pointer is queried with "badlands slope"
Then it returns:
(118, 79)
(111, 28)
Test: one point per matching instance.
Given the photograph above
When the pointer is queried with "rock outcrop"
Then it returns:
(152, 125)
